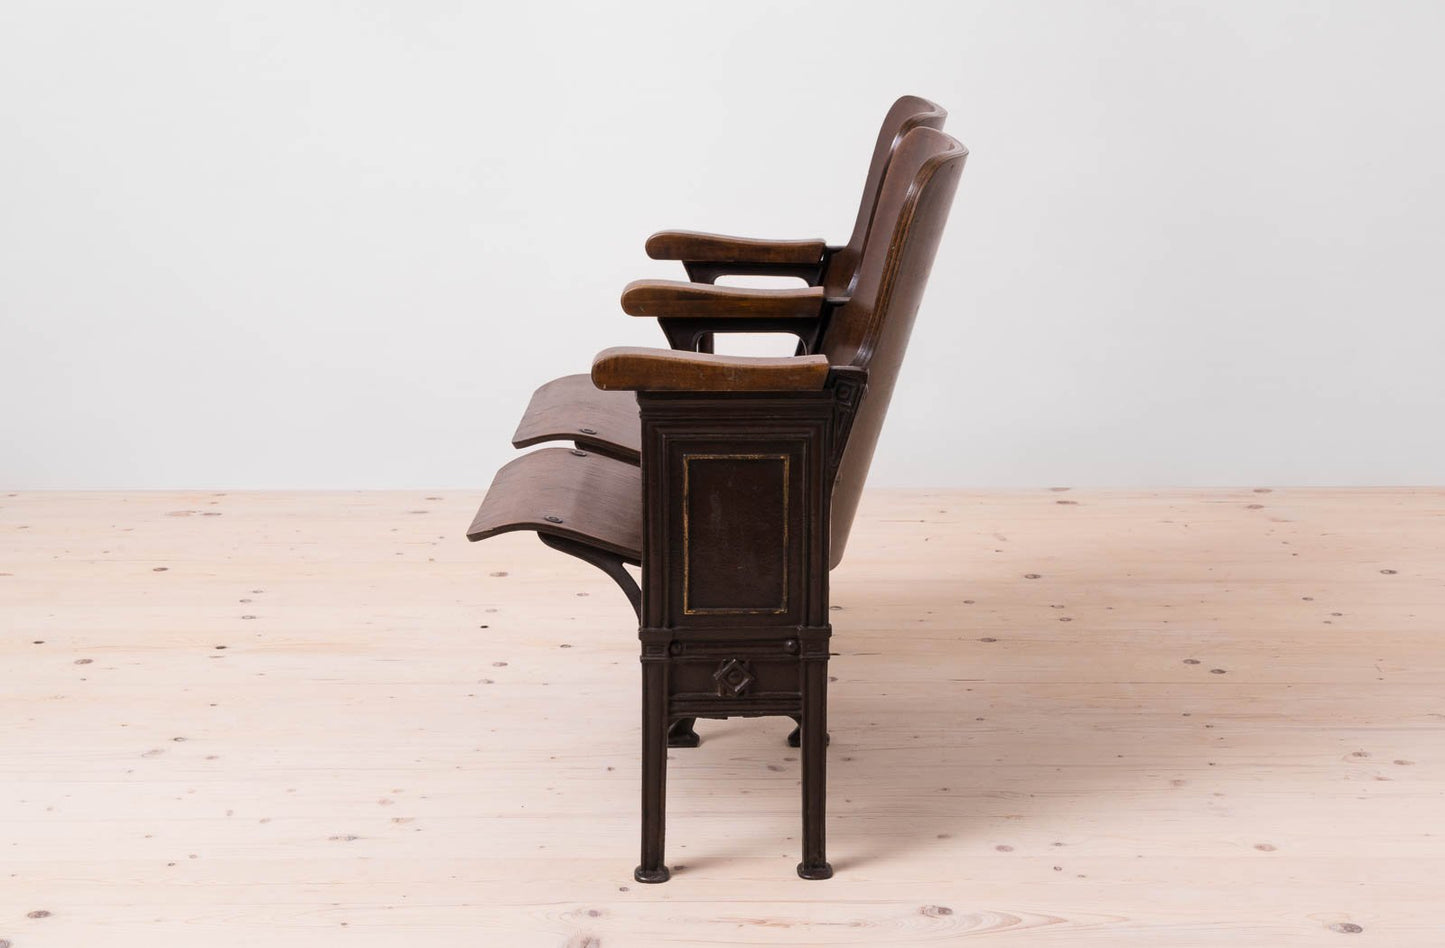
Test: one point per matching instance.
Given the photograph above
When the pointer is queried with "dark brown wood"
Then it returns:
(571, 408)
(871, 330)
(749, 479)
(667, 370)
(658, 298)
(721, 249)
(692, 331)
(706, 257)
(908, 113)
(566, 493)
(691, 313)
(838, 265)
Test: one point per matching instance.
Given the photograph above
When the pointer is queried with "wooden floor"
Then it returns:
(1059, 718)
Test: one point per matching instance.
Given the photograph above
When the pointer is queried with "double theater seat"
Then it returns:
(732, 481)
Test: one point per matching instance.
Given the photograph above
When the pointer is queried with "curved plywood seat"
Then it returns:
(575, 495)
(572, 409)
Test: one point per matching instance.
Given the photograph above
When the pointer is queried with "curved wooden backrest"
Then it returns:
(908, 113)
(871, 330)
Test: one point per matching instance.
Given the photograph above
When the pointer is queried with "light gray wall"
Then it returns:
(301, 244)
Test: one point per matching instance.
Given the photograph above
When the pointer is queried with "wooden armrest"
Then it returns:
(672, 298)
(667, 370)
(691, 245)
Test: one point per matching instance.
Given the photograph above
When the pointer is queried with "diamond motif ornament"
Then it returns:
(733, 678)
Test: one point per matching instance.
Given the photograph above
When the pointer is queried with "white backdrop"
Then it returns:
(305, 244)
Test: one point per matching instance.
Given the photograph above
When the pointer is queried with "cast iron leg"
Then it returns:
(795, 736)
(654, 770)
(815, 764)
(682, 734)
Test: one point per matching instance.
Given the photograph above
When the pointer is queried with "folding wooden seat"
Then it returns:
(750, 474)
(572, 409)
